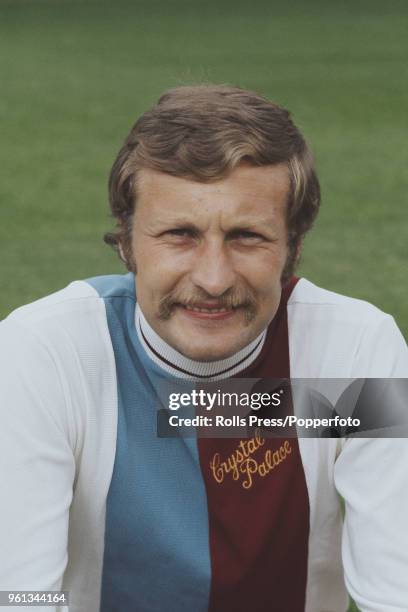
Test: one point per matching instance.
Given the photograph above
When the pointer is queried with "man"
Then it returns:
(213, 192)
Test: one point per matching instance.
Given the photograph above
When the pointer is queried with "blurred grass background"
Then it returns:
(76, 75)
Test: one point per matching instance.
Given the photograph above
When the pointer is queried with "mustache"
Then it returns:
(240, 297)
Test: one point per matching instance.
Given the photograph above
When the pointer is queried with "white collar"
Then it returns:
(180, 366)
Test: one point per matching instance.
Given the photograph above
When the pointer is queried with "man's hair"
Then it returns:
(202, 133)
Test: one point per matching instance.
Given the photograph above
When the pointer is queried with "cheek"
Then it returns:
(156, 280)
(263, 271)
(157, 272)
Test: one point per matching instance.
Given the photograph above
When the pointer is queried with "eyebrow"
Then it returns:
(247, 223)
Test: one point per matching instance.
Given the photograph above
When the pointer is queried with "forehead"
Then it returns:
(246, 189)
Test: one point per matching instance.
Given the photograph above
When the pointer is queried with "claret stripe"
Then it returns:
(258, 504)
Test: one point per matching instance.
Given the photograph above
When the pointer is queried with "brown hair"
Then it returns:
(203, 132)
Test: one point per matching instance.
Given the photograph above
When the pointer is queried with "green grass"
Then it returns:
(75, 75)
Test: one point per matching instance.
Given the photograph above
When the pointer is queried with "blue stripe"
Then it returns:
(156, 555)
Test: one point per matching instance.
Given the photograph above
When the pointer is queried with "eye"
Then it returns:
(180, 231)
(179, 234)
(246, 236)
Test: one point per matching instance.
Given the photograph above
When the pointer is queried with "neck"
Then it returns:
(181, 366)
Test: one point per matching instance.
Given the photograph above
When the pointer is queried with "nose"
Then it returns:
(213, 270)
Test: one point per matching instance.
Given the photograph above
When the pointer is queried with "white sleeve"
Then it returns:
(37, 466)
(372, 477)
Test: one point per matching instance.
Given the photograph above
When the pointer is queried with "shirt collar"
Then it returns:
(180, 366)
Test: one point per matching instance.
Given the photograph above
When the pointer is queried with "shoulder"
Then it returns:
(342, 336)
(51, 319)
(70, 325)
(78, 296)
(313, 301)
(58, 350)
(73, 308)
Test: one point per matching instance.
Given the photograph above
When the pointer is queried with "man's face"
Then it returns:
(209, 257)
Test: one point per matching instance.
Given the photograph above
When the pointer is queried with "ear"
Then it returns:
(129, 260)
(121, 253)
(299, 250)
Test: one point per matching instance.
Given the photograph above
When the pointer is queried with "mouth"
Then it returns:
(208, 311)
